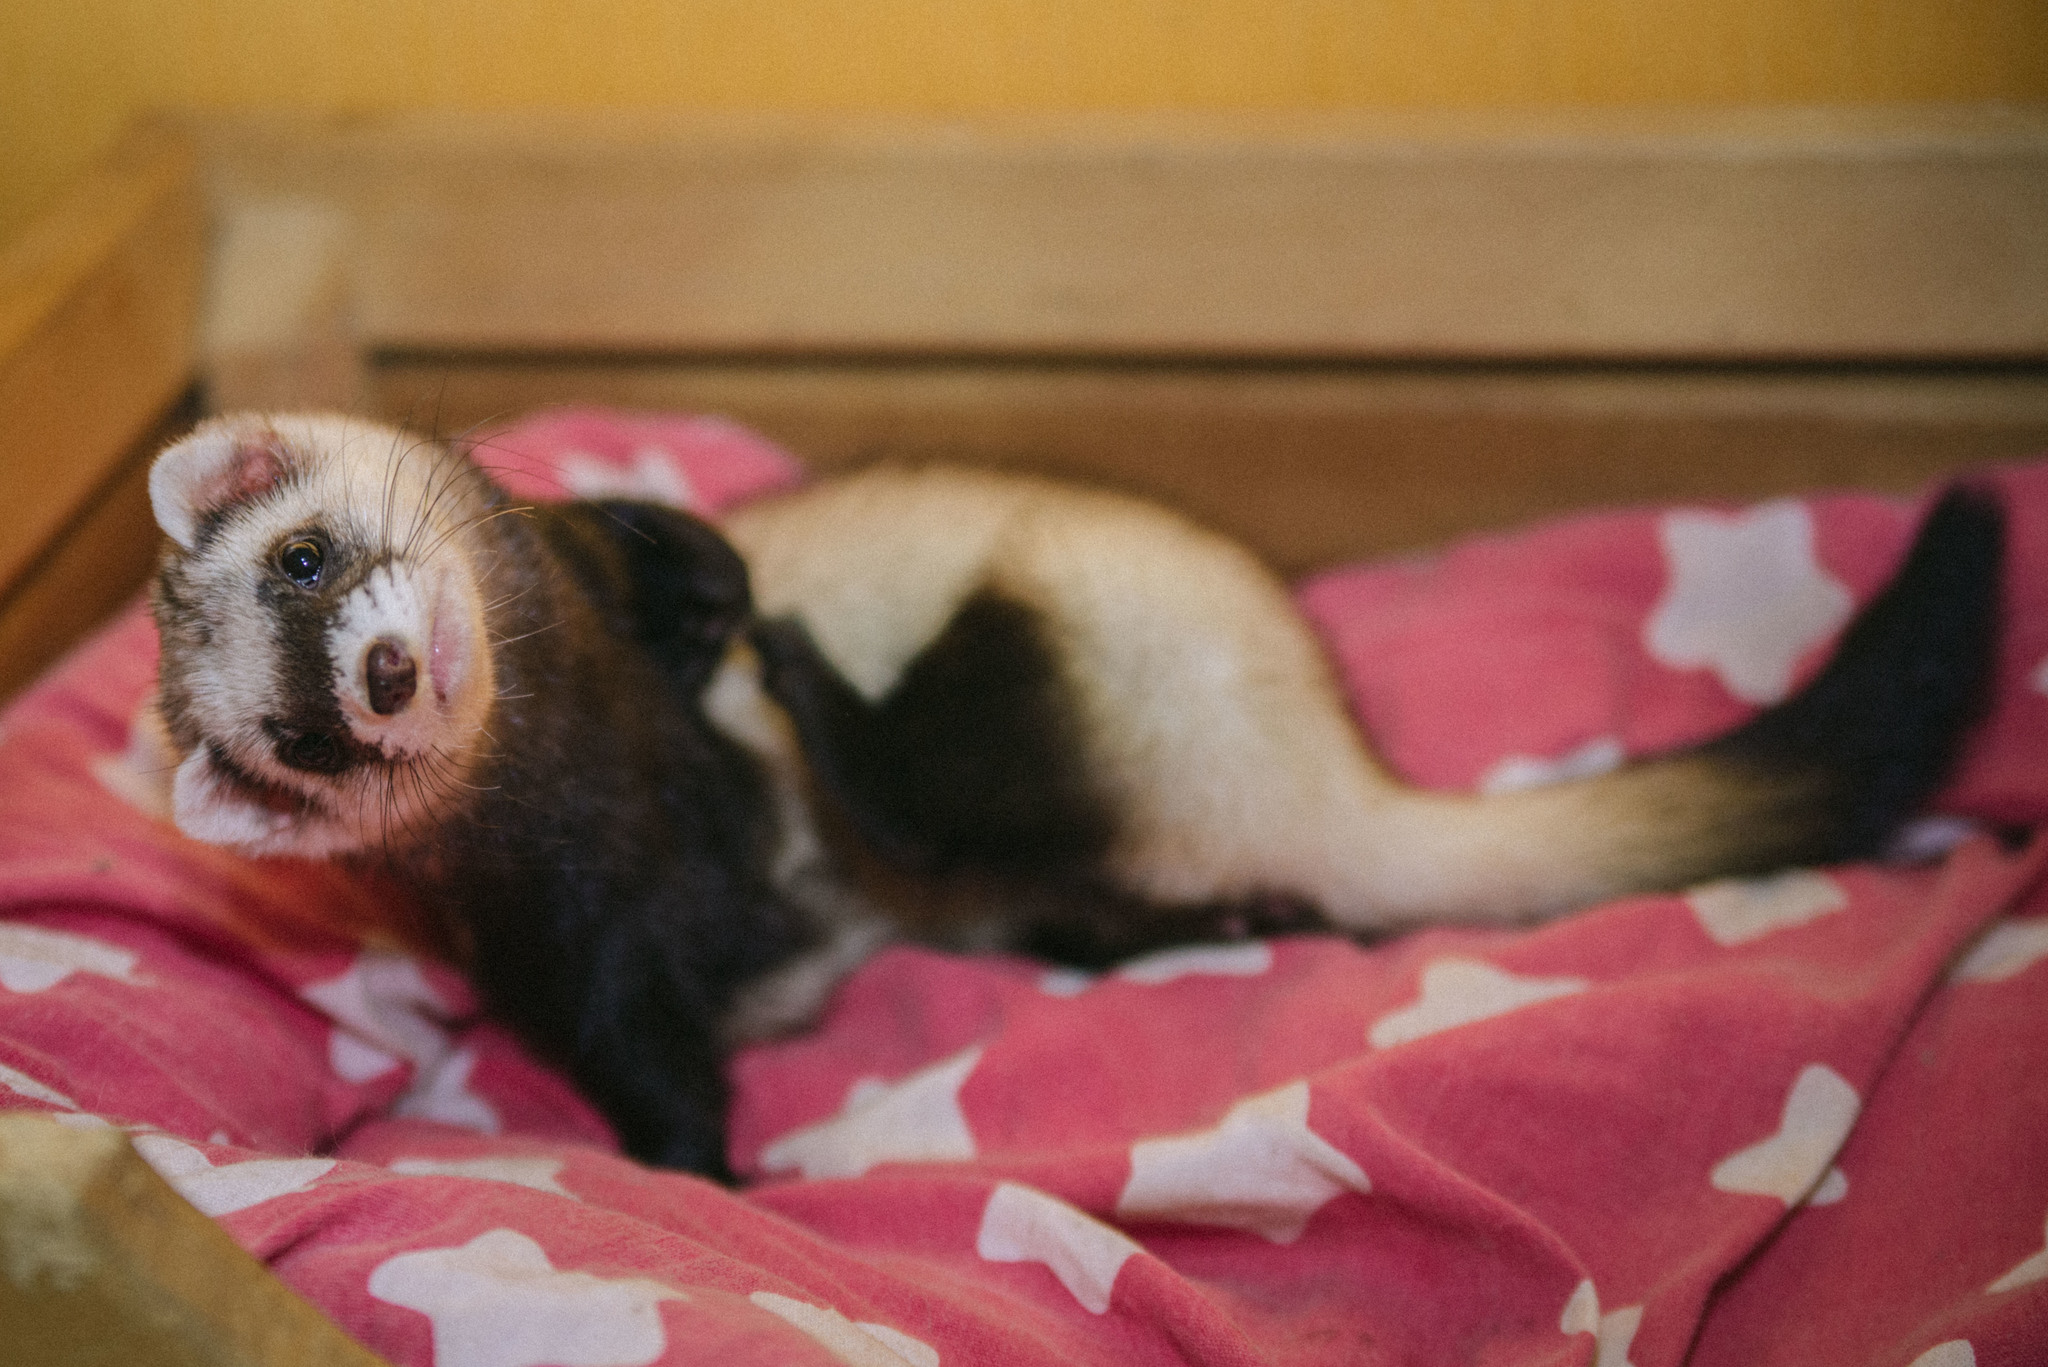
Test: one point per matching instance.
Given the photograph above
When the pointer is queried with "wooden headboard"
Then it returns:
(1333, 336)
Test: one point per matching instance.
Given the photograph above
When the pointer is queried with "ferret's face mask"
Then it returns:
(325, 680)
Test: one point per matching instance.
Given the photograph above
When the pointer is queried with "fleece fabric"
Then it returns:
(1800, 1120)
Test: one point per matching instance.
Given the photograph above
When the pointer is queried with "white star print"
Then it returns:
(915, 1120)
(1581, 1311)
(223, 1190)
(1246, 960)
(442, 1093)
(1260, 1169)
(1459, 991)
(1746, 597)
(1614, 1333)
(1735, 911)
(537, 1173)
(857, 1343)
(388, 1011)
(1819, 1111)
(1514, 773)
(1065, 982)
(34, 960)
(1617, 1334)
(497, 1301)
(1023, 1225)
(1833, 1189)
(1954, 1353)
(2029, 1271)
(653, 476)
(2008, 949)
(21, 1084)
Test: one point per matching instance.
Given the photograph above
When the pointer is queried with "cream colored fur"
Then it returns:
(1212, 720)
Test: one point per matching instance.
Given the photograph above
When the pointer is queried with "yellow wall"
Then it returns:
(72, 71)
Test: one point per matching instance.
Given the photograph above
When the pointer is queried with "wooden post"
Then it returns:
(98, 301)
(101, 1262)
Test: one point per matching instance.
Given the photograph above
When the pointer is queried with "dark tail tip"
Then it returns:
(1878, 731)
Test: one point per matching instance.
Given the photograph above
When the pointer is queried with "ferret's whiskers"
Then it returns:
(508, 640)
(507, 600)
(522, 509)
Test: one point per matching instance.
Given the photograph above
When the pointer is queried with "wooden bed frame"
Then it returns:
(1332, 336)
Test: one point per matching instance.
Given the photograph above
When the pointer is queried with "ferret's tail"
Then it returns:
(1879, 729)
(1826, 776)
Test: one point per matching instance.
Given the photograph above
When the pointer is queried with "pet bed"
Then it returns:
(1796, 1120)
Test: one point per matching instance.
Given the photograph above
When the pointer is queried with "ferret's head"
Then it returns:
(325, 672)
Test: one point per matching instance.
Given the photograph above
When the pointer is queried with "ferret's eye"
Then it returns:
(301, 562)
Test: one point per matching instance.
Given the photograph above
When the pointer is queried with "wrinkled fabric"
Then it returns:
(1793, 1120)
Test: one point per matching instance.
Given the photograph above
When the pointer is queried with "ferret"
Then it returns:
(370, 652)
(674, 781)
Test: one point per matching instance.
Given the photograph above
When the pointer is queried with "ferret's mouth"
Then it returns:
(327, 751)
(271, 797)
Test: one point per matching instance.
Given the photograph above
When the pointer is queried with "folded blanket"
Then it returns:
(1794, 1120)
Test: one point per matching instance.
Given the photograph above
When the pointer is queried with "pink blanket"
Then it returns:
(1802, 1120)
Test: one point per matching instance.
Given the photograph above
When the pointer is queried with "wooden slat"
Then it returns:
(99, 562)
(277, 322)
(1316, 466)
(1842, 233)
(102, 1263)
(97, 312)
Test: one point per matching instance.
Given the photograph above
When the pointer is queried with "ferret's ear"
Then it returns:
(218, 466)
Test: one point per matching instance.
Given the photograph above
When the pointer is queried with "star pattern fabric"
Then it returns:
(1261, 1169)
(537, 1174)
(1613, 1333)
(442, 1092)
(497, 1301)
(1518, 773)
(1819, 1110)
(2034, 1268)
(35, 960)
(1712, 1105)
(1458, 992)
(231, 1186)
(1247, 960)
(1735, 911)
(857, 1343)
(1020, 1225)
(915, 1120)
(386, 1012)
(21, 1084)
(1953, 1353)
(1747, 598)
(652, 474)
(2008, 949)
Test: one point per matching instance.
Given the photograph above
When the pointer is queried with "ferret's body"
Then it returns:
(984, 710)
(1083, 701)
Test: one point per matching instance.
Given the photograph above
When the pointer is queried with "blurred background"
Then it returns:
(1341, 277)
(72, 72)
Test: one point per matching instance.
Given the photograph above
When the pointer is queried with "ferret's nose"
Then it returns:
(391, 677)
